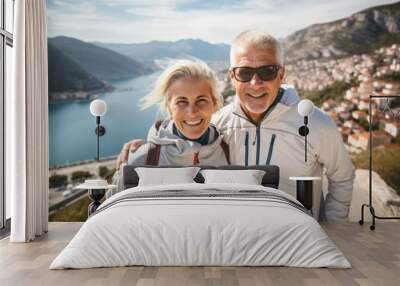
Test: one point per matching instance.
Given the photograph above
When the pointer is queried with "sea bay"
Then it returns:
(72, 127)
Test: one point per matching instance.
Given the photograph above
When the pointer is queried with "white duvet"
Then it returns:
(237, 228)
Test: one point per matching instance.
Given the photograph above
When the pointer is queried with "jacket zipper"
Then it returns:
(269, 110)
(246, 154)
(258, 144)
(271, 147)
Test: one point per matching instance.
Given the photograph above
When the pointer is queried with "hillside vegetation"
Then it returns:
(385, 161)
(335, 91)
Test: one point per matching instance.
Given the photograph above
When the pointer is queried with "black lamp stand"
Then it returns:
(96, 195)
(100, 131)
(303, 131)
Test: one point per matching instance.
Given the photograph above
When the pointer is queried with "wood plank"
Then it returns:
(374, 255)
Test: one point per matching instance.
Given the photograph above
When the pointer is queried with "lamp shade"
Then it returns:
(98, 107)
(305, 107)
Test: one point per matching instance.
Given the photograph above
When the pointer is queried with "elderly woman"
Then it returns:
(188, 93)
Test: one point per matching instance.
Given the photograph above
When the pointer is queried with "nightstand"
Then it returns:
(96, 191)
(304, 190)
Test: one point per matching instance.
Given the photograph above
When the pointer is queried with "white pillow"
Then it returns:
(249, 177)
(163, 176)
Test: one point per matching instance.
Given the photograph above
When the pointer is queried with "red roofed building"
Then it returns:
(393, 128)
(360, 140)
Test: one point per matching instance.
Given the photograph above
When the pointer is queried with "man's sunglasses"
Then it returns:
(266, 73)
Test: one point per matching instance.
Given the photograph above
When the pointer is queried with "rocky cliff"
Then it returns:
(362, 32)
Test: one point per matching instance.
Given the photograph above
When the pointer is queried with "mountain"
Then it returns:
(102, 63)
(156, 50)
(362, 32)
(67, 76)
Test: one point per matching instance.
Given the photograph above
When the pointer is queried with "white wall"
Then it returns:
(7, 111)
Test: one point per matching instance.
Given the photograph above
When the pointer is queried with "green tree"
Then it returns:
(80, 176)
(227, 93)
(334, 91)
(106, 173)
(365, 124)
(57, 180)
(394, 76)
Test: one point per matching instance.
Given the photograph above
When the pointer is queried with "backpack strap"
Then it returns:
(158, 124)
(153, 152)
(225, 148)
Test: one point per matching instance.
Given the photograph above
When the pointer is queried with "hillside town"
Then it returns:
(375, 74)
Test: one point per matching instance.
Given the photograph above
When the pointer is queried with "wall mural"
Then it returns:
(115, 50)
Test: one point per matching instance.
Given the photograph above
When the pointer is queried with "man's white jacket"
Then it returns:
(276, 141)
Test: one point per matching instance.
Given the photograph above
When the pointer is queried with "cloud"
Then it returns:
(131, 21)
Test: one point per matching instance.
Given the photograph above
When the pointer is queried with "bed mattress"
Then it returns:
(201, 225)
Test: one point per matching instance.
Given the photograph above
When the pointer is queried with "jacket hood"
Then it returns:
(177, 146)
(290, 96)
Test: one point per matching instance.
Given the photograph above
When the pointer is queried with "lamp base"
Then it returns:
(304, 193)
(304, 190)
(373, 214)
(96, 195)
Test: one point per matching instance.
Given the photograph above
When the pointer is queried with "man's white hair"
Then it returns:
(260, 40)
(160, 95)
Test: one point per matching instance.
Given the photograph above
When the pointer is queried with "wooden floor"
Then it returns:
(375, 256)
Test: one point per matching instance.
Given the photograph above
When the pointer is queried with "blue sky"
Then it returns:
(217, 21)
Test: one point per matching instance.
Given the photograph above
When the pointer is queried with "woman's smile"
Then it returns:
(193, 123)
(191, 106)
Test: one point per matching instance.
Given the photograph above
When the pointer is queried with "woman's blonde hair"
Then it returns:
(182, 69)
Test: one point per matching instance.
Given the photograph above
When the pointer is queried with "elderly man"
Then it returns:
(261, 126)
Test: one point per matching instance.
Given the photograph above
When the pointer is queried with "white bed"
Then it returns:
(201, 224)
